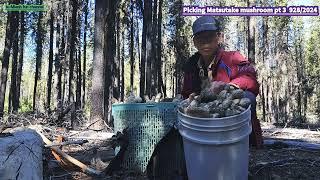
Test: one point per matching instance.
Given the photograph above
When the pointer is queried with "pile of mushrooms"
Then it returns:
(227, 101)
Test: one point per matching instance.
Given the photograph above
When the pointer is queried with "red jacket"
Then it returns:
(232, 68)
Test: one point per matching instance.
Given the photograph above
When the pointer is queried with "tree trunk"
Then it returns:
(131, 49)
(39, 51)
(13, 84)
(72, 58)
(79, 73)
(97, 94)
(20, 64)
(50, 66)
(147, 44)
(116, 89)
(143, 54)
(59, 58)
(110, 42)
(10, 31)
(85, 52)
(154, 46)
(122, 69)
(21, 156)
(159, 49)
(251, 36)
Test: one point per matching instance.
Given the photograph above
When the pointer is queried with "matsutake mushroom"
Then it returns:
(229, 101)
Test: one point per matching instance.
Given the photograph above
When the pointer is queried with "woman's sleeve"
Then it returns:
(245, 77)
(187, 85)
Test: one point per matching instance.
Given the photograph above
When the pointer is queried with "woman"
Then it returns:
(220, 67)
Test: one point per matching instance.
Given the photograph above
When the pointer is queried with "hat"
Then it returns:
(205, 23)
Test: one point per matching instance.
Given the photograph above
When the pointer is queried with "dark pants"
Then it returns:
(256, 134)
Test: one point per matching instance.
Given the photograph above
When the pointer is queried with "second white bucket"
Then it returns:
(216, 148)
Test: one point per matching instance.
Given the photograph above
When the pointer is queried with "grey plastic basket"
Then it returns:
(147, 124)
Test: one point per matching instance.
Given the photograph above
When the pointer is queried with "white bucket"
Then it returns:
(216, 148)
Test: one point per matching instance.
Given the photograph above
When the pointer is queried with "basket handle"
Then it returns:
(150, 105)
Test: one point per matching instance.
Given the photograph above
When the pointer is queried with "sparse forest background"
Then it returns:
(79, 55)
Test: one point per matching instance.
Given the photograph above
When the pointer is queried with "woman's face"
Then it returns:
(207, 42)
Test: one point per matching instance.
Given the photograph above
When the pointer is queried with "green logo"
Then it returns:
(23, 8)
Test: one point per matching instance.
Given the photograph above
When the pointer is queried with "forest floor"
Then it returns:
(298, 159)
(273, 161)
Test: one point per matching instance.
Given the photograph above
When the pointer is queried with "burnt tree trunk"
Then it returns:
(85, 52)
(131, 49)
(110, 43)
(11, 27)
(79, 73)
(20, 63)
(146, 47)
(50, 65)
(154, 46)
(13, 84)
(59, 58)
(122, 68)
(159, 52)
(39, 52)
(72, 57)
(251, 36)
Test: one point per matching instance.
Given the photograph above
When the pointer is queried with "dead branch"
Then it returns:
(74, 161)
(80, 142)
(293, 143)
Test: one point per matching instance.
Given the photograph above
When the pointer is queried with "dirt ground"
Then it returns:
(276, 161)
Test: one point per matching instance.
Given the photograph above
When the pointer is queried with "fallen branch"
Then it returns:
(292, 143)
(74, 161)
(80, 142)
(282, 162)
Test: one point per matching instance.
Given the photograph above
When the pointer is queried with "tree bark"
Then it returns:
(10, 31)
(59, 58)
(110, 43)
(13, 84)
(154, 46)
(85, 52)
(147, 45)
(131, 49)
(50, 65)
(20, 64)
(79, 73)
(251, 36)
(97, 97)
(39, 51)
(72, 59)
(21, 156)
(159, 53)
(122, 69)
